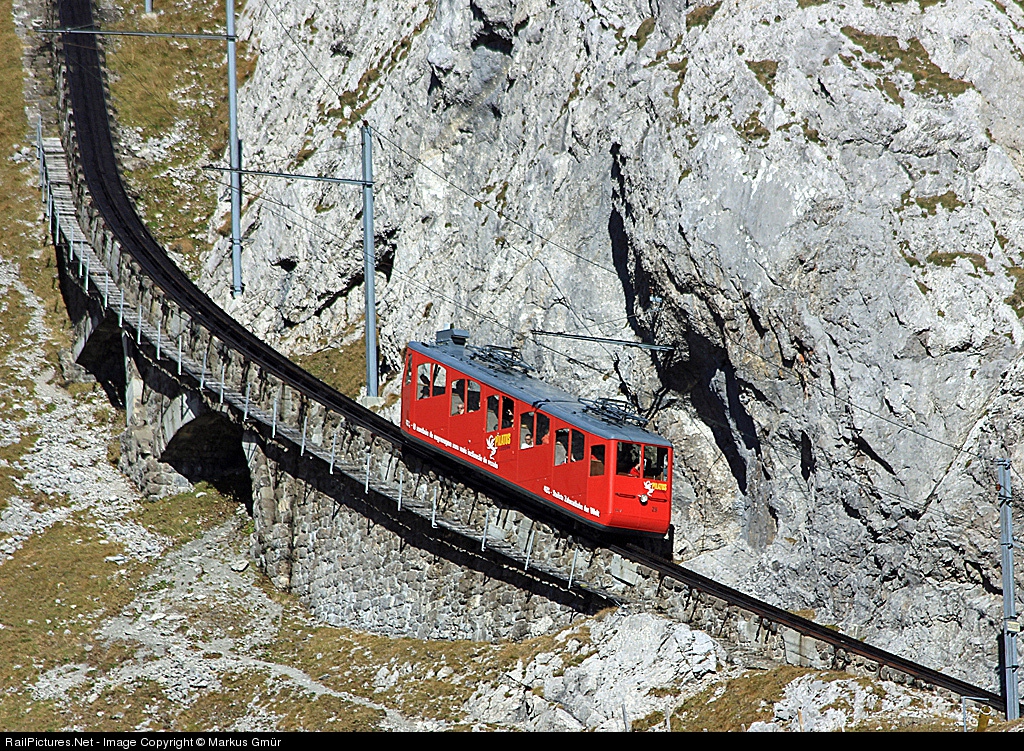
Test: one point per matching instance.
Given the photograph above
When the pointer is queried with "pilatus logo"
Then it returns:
(492, 445)
(648, 489)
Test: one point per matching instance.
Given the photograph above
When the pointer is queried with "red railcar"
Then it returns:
(587, 459)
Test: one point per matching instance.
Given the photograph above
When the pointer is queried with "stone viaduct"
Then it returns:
(365, 534)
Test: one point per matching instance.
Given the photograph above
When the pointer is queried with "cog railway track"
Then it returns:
(84, 80)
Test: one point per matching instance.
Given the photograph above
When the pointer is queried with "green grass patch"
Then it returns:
(1016, 298)
(82, 388)
(53, 592)
(654, 719)
(679, 68)
(948, 200)
(642, 32)
(948, 259)
(22, 237)
(186, 516)
(663, 691)
(114, 452)
(700, 17)
(342, 368)
(928, 77)
(891, 90)
(912, 262)
(175, 90)
(433, 678)
(746, 700)
(811, 134)
(765, 71)
(304, 153)
(121, 708)
(296, 709)
(752, 129)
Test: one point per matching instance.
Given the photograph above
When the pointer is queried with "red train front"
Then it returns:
(481, 406)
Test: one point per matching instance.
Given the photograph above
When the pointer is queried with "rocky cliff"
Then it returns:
(818, 203)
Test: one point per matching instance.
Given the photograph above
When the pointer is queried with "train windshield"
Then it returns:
(492, 413)
(423, 381)
(655, 462)
(627, 461)
(440, 376)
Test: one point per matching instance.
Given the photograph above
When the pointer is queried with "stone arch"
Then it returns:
(209, 449)
(100, 352)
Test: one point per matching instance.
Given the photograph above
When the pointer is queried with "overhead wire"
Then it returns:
(845, 475)
(873, 489)
(551, 276)
(325, 232)
(382, 137)
(920, 507)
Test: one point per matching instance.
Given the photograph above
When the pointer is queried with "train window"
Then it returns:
(459, 396)
(473, 397)
(423, 381)
(543, 435)
(440, 380)
(628, 460)
(655, 462)
(561, 446)
(492, 413)
(526, 430)
(508, 413)
(596, 461)
(577, 446)
(408, 370)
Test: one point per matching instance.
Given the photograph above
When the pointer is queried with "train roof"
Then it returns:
(514, 379)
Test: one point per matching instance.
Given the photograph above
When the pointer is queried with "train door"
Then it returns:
(641, 491)
(655, 495)
(628, 468)
(430, 407)
(499, 424)
(465, 415)
(408, 393)
(569, 474)
(599, 474)
(534, 459)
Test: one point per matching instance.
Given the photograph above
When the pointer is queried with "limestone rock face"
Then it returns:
(608, 674)
(818, 203)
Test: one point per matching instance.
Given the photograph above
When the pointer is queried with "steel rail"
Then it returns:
(99, 164)
(99, 167)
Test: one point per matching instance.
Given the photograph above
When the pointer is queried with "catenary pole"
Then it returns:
(235, 155)
(369, 265)
(1010, 624)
